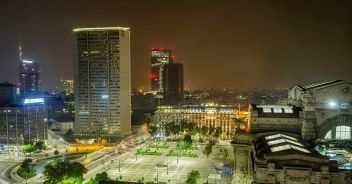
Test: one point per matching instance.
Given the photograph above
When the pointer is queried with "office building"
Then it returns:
(23, 123)
(173, 83)
(144, 101)
(7, 93)
(102, 81)
(66, 87)
(159, 58)
(29, 78)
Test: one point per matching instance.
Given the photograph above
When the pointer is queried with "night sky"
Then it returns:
(222, 44)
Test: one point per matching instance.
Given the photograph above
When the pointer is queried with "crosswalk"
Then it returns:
(3, 182)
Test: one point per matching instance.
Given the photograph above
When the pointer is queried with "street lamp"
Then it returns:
(119, 165)
(102, 168)
(177, 152)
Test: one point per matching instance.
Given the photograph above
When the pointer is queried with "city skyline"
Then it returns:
(209, 38)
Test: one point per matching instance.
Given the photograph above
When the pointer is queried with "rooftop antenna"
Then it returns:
(20, 54)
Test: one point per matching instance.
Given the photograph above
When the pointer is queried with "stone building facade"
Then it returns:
(327, 112)
(278, 157)
(202, 115)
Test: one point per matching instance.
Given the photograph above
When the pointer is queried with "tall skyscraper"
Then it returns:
(160, 57)
(29, 76)
(173, 82)
(102, 81)
(66, 86)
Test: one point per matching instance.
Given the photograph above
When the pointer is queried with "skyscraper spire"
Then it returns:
(20, 54)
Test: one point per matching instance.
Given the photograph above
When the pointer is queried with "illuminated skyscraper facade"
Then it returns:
(29, 77)
(159, 58)
(102, 81)
(66, 86)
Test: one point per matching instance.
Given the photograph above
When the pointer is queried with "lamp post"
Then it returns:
(167, 165)
(177, 152)
(102, 168)
(157, 176)
(119, 165)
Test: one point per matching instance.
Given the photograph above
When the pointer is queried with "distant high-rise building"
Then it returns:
(160, 57)
(7, 93)
(102, 81)
(173, 82)
(66, 86)
(29, 76)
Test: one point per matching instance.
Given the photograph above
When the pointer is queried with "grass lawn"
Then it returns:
(142, 152)
(180, 154)
(24, 174)
(158, 146)
(186, 146)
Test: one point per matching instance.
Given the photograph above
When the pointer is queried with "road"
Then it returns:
(5, 169)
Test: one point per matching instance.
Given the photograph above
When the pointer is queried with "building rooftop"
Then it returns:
(317, 84)
(7, 84)
(101, 29)
(285, 146)
(277, 111)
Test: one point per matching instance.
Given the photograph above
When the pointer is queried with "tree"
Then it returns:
(218, 132)
(40, 145)
(102, 176)
(175, 128)
(192, 177)
(204, 130)
(71, 181)
(25, 163)
(104, 141)
(98, 178)
(56, 172)
(153, 130)
(191, 128)
(187, 139)
(69, 136)
(183, 126)
(211, 131)
(28, 148)
(208, 148)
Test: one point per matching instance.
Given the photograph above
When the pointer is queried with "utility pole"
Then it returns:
(119, 165)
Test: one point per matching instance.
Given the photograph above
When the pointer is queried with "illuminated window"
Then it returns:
(328, 135)
(280, 148)
(343, 132)
(272, 136)
(267, 110)
(300, 149)
(344, 105)
(277, 110)
(294, 142)
(276, 141)
(289, 137)
(288, 110)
